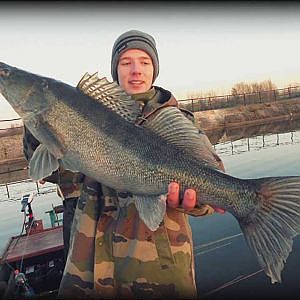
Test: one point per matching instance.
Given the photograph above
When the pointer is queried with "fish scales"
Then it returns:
(152, 169)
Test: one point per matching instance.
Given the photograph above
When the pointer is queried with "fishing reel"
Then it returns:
(22, 285)
(31, 225)
(26, 200)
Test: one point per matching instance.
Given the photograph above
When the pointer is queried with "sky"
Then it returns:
(202, 46)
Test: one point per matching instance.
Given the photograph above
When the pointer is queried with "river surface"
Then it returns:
(225, 267)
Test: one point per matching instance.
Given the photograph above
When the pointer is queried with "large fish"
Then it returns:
(92, 129)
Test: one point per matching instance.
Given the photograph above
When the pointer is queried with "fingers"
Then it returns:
(42, 181)
(189, 199)
(219, 210)
(173, 195)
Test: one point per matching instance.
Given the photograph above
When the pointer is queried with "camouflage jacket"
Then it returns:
(114, 255)
(68, 182)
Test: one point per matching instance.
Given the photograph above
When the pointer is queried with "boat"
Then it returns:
(32, 262)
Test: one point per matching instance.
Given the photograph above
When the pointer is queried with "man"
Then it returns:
(113, 254)
(68, 186)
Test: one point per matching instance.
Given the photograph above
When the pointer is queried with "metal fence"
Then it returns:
(12, 191)
(226, 101)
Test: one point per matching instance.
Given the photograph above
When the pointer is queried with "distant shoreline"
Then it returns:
(12, 170)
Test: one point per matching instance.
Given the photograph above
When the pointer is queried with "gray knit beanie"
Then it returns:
(134, 39)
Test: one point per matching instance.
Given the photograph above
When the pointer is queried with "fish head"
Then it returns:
(26, 92)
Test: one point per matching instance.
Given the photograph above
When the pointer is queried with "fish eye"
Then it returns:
(4, 72)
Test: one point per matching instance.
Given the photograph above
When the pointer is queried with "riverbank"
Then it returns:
(11, 144)
(12, 170)
(248, 115)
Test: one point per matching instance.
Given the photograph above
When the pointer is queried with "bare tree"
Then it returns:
(253, 87)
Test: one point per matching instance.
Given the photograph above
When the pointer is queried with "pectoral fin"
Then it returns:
(42, 163)
(151, 210)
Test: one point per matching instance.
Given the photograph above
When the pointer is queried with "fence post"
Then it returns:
(193, 105)
(275, 96)
(37, 187)
(259, 95)
(7, 190)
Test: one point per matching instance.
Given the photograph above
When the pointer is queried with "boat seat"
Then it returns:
(56, 218)
(58, 209)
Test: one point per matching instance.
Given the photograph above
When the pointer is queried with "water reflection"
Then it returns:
(234, 134)
(235, 141)
(256, 143)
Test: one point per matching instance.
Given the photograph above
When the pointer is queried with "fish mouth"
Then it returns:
(5, 73)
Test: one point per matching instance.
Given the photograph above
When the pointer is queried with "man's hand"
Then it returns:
(42, 181)
(189, 198)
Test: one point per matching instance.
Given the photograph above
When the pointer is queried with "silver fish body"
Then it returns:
(92, 129)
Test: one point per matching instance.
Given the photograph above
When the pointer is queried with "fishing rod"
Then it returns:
(19, 282)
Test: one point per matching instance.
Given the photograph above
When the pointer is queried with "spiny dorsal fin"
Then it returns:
(109, 94)
(173, 126)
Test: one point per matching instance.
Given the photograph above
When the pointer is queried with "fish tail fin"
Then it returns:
(271, 227)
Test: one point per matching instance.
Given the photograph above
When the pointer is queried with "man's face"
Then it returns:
(135, 71)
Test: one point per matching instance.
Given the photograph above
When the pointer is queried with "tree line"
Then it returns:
(241, 88)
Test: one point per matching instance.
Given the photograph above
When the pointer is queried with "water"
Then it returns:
(225, 267)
